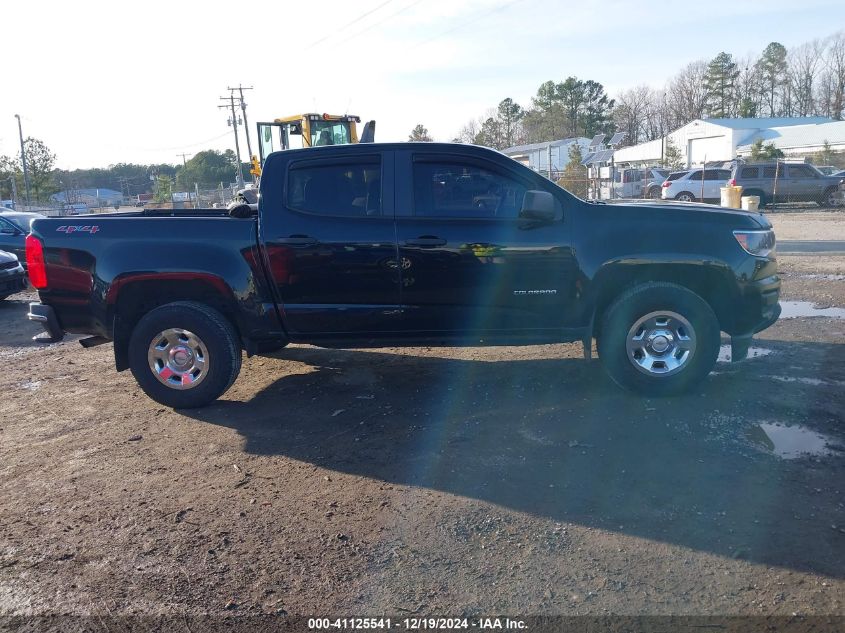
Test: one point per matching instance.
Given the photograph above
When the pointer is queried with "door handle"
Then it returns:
(298, 240)
(425, 240)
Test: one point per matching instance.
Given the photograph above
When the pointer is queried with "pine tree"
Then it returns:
(672, 157)
(574, 178)
(720, 84)
(419, 133)
(772, 67)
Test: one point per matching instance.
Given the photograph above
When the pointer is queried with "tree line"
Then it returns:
(205, 170)
(807, 80)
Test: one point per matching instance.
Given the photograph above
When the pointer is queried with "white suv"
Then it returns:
(695, 184)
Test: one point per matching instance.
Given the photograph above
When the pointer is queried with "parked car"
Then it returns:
(695, 184)
(630, 182)
(14, 225)
(386, 244)
(655, 178)
(12, 275)
(786, 182)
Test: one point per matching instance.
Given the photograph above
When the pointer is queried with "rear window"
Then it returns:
(749, 172)
(660, 173)
(675, 175)
(340, 189)
(769, 172)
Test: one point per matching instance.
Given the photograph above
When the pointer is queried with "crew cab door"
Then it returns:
(469, 263)
(326, 224)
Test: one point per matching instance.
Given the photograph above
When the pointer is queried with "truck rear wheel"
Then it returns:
(659, 339)
(184, 354)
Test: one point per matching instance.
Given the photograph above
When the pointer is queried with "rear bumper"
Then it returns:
(46, 316)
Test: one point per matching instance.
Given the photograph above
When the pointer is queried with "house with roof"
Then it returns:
(537, 156)
(724, 139)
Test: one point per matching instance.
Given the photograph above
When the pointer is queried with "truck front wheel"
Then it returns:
(184, 354)
(659, 339)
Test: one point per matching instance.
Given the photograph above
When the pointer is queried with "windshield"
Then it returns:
(330, 133)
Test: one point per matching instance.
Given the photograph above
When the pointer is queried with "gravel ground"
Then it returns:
(429, 481)
(808, 225)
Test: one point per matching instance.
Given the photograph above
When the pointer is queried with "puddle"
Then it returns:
(791, 442)
(753, 352)
(796, 309)
(823, 277)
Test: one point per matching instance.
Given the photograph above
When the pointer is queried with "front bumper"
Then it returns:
(46, 316)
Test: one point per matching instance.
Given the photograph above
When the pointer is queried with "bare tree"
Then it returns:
(748, 88)
(804, 64)
(686, 93)
(834, 61)
(632, 112)
(468, 132)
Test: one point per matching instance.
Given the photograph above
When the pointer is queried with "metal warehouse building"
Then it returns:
(724, 139)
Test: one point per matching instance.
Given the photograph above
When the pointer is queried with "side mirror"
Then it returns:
(538, 205)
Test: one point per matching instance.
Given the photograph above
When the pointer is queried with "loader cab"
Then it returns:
(306, 130)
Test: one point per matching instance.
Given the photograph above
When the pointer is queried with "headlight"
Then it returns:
(758, 243)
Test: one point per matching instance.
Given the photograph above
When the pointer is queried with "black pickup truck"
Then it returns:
(406, 244)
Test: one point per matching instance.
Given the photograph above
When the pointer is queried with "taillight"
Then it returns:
(35, 262)
(666, 183)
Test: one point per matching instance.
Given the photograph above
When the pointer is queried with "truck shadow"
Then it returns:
(554, 438)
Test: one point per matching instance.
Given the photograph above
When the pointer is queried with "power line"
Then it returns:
(379, 23)
(348, 24)
(477, 18)
(177, 147)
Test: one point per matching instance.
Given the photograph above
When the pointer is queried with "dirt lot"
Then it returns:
(429, 481)
(828, 224)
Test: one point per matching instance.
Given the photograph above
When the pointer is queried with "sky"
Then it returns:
(108, 82)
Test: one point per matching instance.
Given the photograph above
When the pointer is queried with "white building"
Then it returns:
(536, 155)
(799, 140)
(724, 139)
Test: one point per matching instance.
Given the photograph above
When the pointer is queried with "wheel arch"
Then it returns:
(713, 283)
(133, 296)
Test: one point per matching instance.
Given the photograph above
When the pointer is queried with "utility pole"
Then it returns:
(234, 123)
(240, 90)
(184, 162)
(23, 160)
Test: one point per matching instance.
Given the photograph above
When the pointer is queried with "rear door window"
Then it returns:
(750, 172)
(338, 188)
(769, 172)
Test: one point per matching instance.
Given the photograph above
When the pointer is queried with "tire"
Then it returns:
(687, 315)
(207, 343)
(654, 193)
(685, 196)
(827, 199)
